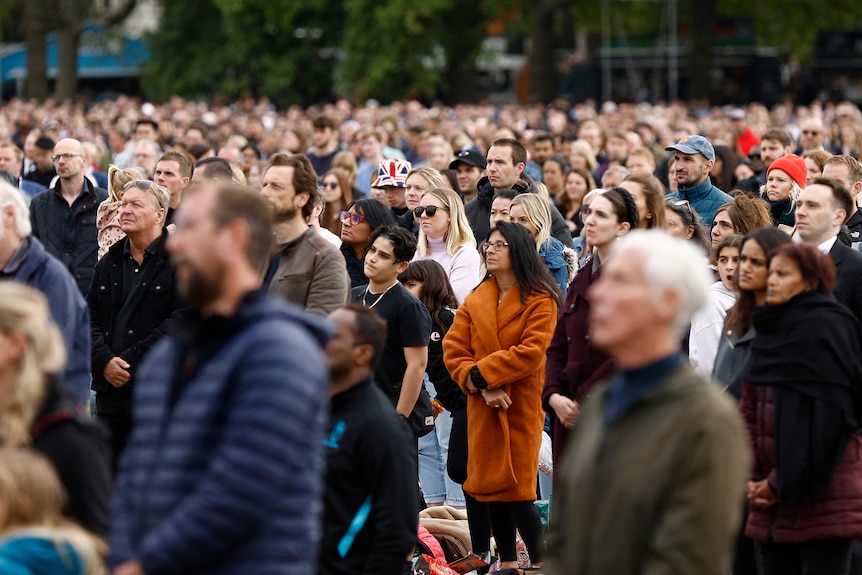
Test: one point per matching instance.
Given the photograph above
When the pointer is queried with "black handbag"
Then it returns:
(422, 417)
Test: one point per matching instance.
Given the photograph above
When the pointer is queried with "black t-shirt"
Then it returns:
(408, 325)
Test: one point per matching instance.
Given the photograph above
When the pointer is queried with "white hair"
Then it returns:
(671, 263)
(12, 196)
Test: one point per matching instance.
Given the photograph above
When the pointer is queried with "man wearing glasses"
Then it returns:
(133, 300)
(64, 216)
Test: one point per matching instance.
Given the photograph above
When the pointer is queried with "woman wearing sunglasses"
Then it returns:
(336, 195)
(495, 351)
(445, 237)
(359, 219)
(574, 365)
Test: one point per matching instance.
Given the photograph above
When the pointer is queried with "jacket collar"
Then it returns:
(697, 192)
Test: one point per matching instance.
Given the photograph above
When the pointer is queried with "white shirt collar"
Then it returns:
(826, 246)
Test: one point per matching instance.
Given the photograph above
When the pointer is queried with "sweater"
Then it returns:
(462, 268)
(706, 326)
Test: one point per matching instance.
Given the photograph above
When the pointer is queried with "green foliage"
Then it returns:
(231, 48)
(793, 26)
(796, 26)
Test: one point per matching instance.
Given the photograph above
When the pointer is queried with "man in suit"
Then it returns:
(821, 210)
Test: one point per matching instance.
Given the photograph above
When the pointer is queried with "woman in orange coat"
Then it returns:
(495, 351)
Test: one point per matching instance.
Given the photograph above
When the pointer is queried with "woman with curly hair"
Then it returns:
(741, 216)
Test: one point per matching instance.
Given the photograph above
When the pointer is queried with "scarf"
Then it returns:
(806, 349)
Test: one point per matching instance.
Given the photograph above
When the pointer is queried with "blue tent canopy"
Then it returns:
(100, 55)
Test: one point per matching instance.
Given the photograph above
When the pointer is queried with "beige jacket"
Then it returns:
(311, 273)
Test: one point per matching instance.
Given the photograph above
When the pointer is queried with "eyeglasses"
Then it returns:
(331, 185)
(810, 132)
(143, 184)
(429, 210)
(58, 157)
(498, 245)
(354, 219)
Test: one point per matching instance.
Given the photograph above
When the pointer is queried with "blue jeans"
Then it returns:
(433, 451)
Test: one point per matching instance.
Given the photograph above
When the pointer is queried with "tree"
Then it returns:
(66, 18)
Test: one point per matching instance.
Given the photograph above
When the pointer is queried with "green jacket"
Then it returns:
(659, 491)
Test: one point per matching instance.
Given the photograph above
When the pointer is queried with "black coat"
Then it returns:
(848, 290)
(479, 211)
(158, 306)
(78, 449)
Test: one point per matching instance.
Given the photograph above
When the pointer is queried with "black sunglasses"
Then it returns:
(429, 210)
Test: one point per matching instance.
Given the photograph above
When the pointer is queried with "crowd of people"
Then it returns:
(244, 340)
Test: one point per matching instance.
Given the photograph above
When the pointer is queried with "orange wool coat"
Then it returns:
(508, 344)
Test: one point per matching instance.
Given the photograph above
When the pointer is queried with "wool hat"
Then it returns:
(392, 173)
(793, 166)
(694, 144)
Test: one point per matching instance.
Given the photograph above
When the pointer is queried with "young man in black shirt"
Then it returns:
(405, 355)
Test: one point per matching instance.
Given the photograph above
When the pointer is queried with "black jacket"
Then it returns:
(157, 305)
(848, 290)
(370, 460)
(69, 233)
(448, 392)
(479, 211)
(78, 449)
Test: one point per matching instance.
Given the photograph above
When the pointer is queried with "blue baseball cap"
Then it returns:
(694, 144)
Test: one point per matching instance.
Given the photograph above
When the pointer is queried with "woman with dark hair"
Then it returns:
(708, 321)
(427, 280)
(741, 216)
(722, 169)
(578, 184)
(684, 223)
(336, 195)
(802, 403)
(574, 365)
(358, 220)
(648, 193)
(495, 352)
(734, 348)
(554, 172)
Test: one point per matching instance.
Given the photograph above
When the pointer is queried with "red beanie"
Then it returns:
(793, 166)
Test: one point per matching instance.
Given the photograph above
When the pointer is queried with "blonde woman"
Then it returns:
(108, 214)
(36, 409)
(534, 213)
(418, 181)
(34, 535)
(445, 237)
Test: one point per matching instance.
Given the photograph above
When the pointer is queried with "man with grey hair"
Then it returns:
(147, 154)
(655, 474)
(24, 259)
(133, 301)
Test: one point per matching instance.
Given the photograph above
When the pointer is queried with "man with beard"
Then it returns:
(222, 471)
(306, 269)
(694, 158)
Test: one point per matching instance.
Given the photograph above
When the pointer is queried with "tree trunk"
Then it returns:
(37, 73)
(543, 78)
(68, 37)
(700, 55)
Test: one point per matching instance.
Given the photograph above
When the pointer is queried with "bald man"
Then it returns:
(64, 216)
